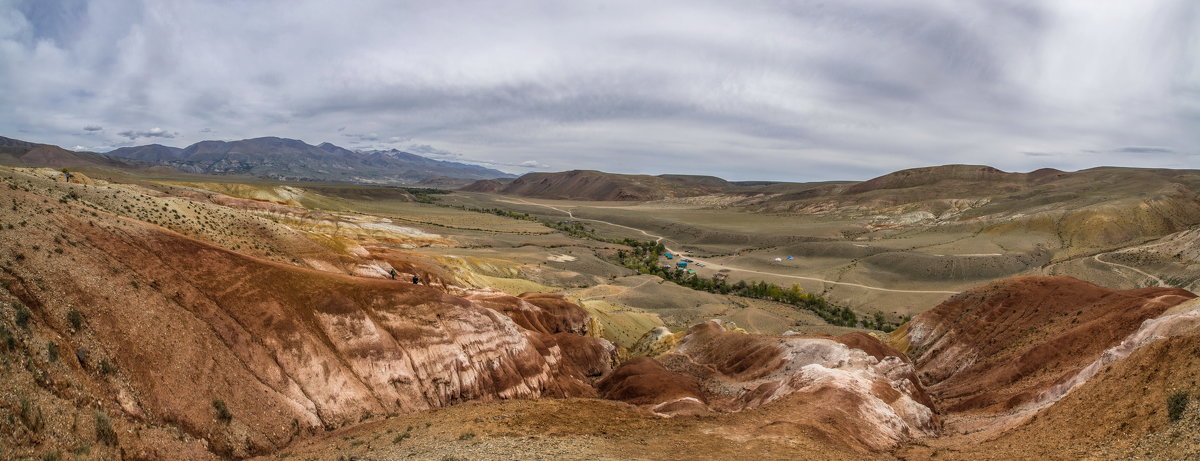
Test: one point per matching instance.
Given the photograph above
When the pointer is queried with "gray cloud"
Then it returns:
(798, 90)
(1144, 150)
(93, 128)
(527, 165)
(362, 138)
(151, 133)
(533, 164)
(430, 151)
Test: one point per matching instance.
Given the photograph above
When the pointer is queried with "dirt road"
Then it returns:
(1156, 280)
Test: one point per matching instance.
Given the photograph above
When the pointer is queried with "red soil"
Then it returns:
(998, 346)
(644, 381)
(287, 349)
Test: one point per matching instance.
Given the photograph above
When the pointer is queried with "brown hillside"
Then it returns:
(644, 381)
(1120, 413)
(483, 185)
(997, 347)
(44, 155)
(1089, 210)
(595, 185)
(973, 174)
(173, 324)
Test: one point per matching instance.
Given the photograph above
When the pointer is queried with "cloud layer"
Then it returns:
(793, 90)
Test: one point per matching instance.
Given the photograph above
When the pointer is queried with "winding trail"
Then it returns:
(1148, 275)
(659, 238)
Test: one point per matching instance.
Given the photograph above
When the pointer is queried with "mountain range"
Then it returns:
(267, 157)
(291, 159)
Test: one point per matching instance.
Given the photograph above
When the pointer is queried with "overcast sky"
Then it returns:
(782, 90)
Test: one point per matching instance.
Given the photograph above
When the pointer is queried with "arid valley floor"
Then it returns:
(152, 314)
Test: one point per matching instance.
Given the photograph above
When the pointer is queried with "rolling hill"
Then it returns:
(597, 185)
(15, 152)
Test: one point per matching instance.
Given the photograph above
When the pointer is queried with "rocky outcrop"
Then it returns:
(557, 322)
(855, 380)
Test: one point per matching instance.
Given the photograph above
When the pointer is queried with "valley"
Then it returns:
(153, 312)
(288, 230)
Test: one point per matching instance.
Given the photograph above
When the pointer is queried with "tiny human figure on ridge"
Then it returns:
(393, 273)
(416, 280)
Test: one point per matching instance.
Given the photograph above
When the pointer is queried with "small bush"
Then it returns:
(52, 456)
(52, 351)
(1176, 404)
(7, 341)
(23, 316)
(407, 434)
(222, 410)
(75, 320)
(466, 435)
(104, 429)
(31, 415)
(107, 367)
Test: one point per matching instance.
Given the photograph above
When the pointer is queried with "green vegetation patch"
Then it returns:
(1176, 404)
(644, 258)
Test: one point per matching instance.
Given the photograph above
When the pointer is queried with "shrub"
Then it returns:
(104, 429)
(466, 435)
(75, 320)
(23, 316)
(222, 410)
(7, 340)
(52, 351)
(107, 367)
(31, 415)
(1176, 404)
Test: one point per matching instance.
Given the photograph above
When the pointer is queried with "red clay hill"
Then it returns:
(1003, 347)
(183, 347)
